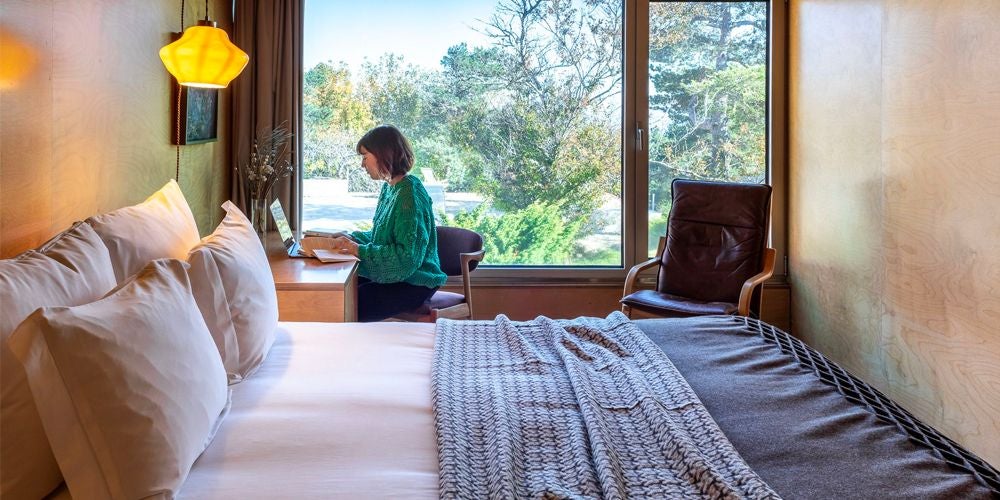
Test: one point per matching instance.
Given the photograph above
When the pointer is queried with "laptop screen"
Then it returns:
(284, 230)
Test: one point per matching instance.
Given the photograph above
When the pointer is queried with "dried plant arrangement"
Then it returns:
(270, 160)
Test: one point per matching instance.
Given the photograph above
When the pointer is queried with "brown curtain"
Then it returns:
(269, 91)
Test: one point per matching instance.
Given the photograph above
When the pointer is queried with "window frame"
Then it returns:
(635, 180)
(776, 135)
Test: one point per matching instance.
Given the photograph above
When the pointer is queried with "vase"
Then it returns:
(258, 216)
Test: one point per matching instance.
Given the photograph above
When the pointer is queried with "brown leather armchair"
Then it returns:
(459, 251)
(714, 257)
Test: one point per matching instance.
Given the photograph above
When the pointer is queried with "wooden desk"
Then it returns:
(309, 290)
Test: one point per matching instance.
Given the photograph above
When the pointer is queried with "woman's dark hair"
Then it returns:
(390, 147)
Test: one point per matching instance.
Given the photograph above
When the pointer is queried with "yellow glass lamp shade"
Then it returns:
(204, 57)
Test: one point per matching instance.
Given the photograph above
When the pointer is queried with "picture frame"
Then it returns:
(198, 116)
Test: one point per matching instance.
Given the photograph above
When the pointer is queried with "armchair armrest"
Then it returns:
(466, 283)
(749, 285)
(633, 273)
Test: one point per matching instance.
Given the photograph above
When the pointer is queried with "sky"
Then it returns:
(421, 31)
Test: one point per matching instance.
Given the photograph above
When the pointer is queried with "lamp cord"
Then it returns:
(177, 170)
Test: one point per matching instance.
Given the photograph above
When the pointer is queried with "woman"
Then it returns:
(399, 266)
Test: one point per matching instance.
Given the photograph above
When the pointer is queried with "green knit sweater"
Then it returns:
(402, 245)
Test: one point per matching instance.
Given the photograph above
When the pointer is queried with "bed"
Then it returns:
(177, 383)
(345, 411)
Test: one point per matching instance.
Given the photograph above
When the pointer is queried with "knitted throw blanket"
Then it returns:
(585, 408)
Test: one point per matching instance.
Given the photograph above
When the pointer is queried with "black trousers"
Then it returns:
(378, 301)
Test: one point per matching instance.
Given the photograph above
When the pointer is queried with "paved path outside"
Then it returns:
(327, 204)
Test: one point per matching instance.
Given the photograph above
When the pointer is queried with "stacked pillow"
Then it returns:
(140, 350)
(162, 226)
(233, 285)
(130, 388)
(71, 269)
(230, 277)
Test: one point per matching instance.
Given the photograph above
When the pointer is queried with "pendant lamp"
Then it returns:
(203, 56)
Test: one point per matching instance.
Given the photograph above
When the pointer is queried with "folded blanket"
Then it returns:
(585, 408)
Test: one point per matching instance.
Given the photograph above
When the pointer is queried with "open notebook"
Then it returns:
(324, 249)
(328, 256)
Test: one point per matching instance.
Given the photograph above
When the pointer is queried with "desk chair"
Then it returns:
(714, 256)
(460, 251)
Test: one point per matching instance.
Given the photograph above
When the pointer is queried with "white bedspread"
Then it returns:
(336, 411)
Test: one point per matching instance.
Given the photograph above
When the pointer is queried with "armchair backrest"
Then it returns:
(454, 241)
(716, 236)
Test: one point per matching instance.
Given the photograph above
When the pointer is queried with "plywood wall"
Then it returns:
(85, 115)
(894, 158)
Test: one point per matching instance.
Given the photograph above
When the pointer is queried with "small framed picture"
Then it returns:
(199, 115)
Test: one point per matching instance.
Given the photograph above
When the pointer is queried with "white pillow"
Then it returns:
(160, 227)
(232, 283)
(130, 388)
(71, 269)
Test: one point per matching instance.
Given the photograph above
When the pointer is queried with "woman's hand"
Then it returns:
(345, 245)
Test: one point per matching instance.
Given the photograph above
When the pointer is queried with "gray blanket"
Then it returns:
(587, 408)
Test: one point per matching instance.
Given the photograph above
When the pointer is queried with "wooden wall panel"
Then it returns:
(834, 237)
(919, 199)
(941, 165)
(25, 130)
(86, 115)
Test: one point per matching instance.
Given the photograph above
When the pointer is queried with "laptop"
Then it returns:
(284, 230)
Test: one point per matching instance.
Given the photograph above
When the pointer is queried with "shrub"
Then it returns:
(451, 163)
(535, 235)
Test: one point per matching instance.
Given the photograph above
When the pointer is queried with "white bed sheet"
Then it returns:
(335, 411)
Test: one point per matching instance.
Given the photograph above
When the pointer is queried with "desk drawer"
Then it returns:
(328, 306)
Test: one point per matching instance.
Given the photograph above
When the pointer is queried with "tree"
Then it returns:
(707, 66)
(549, 84)
(334, 118)
(392, 90)
(329, 102)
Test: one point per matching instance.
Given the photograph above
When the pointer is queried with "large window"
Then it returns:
(513, 108)
(545, 125)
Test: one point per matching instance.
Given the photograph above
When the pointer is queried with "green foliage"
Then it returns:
(329, 103)
(512, 144)
(738, 93)
(334, 119)
(707, 67)
(536, 235)
(539, 106)
(591, 156)
(454, 164)
(393, 92)
(469, 75)
(572, 167)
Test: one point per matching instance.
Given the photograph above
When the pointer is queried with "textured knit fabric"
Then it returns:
(402, 245)
(584, 408)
